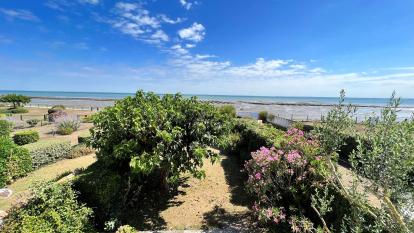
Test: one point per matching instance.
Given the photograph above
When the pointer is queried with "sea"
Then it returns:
(407, 102)
(293, 108)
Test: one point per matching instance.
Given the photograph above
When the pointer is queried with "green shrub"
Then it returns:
(33, 122)
(5, 128)
(253, 135)
(45, 152)
(262, 116)
(15, 161)
(18, 110)
(102, 190)
(56, 108)
(26, 137)
(84, 138)
(228, 110)
(80, 150)
(53, 208)
(67, 125)
(149, 133)
(126, 229)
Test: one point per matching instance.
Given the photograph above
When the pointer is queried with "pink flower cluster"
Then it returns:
(292, 156)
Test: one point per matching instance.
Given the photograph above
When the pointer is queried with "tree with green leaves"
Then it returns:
(147, 134)
(16, 100)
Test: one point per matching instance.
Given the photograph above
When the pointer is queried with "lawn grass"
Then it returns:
(21, 186)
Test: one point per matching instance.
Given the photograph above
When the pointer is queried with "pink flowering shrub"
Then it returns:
(283, 179)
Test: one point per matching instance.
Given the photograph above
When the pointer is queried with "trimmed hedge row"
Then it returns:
(25, 137)
(45, 152)
(248, 136)
(15, 161)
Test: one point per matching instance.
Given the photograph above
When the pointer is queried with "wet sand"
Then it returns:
(295, 111)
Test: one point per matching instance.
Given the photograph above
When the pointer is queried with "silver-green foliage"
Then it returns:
(45, 152)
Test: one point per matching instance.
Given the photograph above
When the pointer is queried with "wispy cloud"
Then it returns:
(187, 4)
(195, 33)
(93, 2)
(12, 14)
(134, 20)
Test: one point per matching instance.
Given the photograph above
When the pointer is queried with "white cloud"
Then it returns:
(134, 20)
(194, 33)
(93, 2)
(18, 14)
(166, 19)
(159, 36)
(186, 4)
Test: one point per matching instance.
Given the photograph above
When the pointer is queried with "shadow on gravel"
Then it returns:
(231, 222)
(147, 216)
(235, 179)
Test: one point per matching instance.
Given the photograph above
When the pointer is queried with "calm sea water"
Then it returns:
(227, 98)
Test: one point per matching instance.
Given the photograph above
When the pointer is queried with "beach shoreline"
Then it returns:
(293, 111)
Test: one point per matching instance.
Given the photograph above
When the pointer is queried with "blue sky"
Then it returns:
(266, 47)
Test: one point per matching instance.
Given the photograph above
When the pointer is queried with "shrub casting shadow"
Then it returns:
(104, 191)
(231, 222)
(146, 215)
(236, 179)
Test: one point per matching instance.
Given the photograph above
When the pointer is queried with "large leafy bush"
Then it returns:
(45, 152)
(147, 133)
(26, 137)
(53, 209)
(15, 161)
(143, 144)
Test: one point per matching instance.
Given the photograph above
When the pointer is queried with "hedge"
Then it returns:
(15, 161)
(45, 152)
(249, 135)
(26, 137)
(5, 128)
(84, 137)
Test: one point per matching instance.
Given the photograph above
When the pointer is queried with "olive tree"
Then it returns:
(16, 100)
(385, 155)
(147, 134)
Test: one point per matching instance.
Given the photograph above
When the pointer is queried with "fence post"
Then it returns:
(21, 117)
(307, 117)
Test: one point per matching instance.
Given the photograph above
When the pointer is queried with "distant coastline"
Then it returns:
(216, 102)
(219, 99)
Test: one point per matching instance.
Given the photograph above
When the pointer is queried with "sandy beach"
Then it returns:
(295, 111)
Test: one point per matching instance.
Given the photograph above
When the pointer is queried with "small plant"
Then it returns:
(67, 125)
(262, 116)
(228, 110)
(16, 122)
(26, 137)
(80, 150)
(5, 128)
(33, 122)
